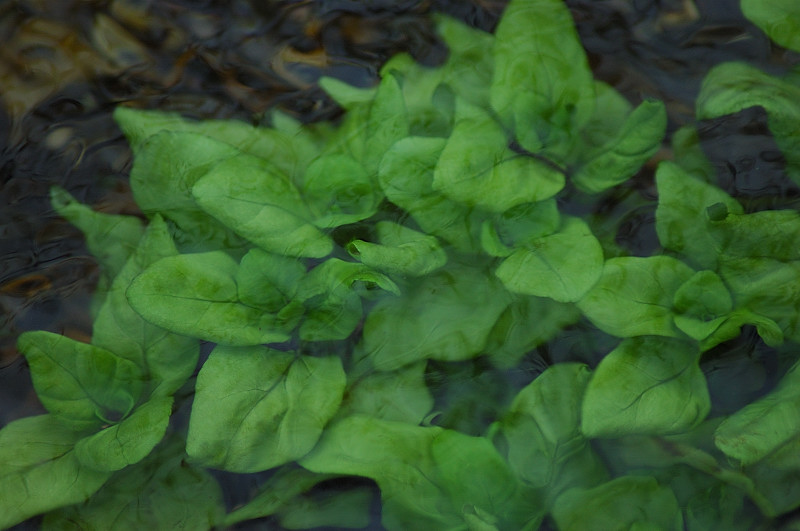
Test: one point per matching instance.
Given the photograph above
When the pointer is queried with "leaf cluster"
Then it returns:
(349, 275)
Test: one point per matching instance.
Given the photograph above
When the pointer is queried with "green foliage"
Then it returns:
(349, 275)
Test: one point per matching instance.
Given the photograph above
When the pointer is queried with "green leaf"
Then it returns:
(520, 226)
(165, 168)
(562, 266)
(435, 319)
(542, 85)
(682, 222)
(248, 195)
(731, 87)
(332, 294)
(524, 325)
(768, 288)
(110, 238)
(478, 169)
(290, 149)
(469, 65)
(634, 296)
(427, 476)
(541, 432)
(387, 123)
(400, 250)
(763, 426)
(703, 296)
(400, 395)
(196, 295)
(268, 280)
(166, 359)
(256, 408)
(647, 385)
(628, 502)
(115, 447)
(754, 235)
(38, 469)
(346, 95)
(406, 176)
(621, 157)
(161, 492)
(339, 191)
(78, 382)
(780, 19)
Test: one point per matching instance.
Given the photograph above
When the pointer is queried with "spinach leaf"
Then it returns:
(167, 360)
(39, 470)
(562, 266)
(129, 441)
(256, 408)
(197, 295)
(78, 382)
(435, 319)
(780, 19)
(682, 221)
(647, 385)
(110, 238)
(541, 432)
(478, 169)
(763, 426)
(163, 491)
(424, 473)
(634, 296)
(406, 176)
(542, 86)
(251, 197)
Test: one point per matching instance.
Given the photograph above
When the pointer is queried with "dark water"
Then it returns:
(66, 65)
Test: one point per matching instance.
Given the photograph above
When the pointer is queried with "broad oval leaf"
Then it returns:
(197, 295)
(39, 471)
(542, 84)
(251, 197)
(256, 408)
(621, 157)
(128, 442)
(763, 426)
(562, 266)
(406, 176)
(634, 296)
(338, 191)
(478, 169)
(79, 382)
(780, 19)
(435, 319)
(646, 386)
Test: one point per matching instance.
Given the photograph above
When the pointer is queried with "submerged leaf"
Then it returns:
(562, 266)
(39, 471)
(542, 85)
(435, 319)
(256, 408)
(248, 195)
(197, 295)
(634, 296)
(78, 382)
(478, 169)
(647, 386)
